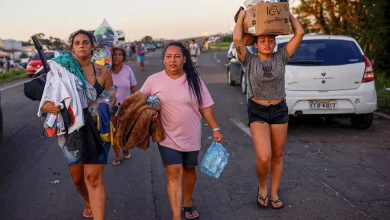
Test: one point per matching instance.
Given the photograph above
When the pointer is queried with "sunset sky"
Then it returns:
(172, 19)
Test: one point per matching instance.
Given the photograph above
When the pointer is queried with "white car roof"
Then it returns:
(286, 38)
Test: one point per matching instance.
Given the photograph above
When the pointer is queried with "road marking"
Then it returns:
(247, 131)
(17, 84)
(218, 61)
(215, 55)
(242, 126)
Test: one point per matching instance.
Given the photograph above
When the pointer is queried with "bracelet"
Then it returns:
(217, 129)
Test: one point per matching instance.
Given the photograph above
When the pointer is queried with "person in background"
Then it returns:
(124, 79)
(141, 56)
(194, 51)
(187, 45)
(133, 52)
(185, 99)
(129, 51)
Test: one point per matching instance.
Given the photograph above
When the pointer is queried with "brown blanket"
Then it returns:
(135, 125)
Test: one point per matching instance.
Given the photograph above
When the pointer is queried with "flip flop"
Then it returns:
(116, 162)
(264, 205)
(276, 202)
(190, 210)
(127, 157)
(87, 213)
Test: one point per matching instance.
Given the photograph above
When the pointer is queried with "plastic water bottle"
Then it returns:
(153, 101)
(107, 96)
(215, 160)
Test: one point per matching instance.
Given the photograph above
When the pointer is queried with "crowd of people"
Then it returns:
(185, 100)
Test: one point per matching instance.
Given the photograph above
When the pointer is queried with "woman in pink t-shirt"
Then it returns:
(124, 78)
(184, 101)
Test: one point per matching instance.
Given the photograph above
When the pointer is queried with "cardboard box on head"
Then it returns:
(267, 19)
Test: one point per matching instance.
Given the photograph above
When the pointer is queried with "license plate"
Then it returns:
(323, 104)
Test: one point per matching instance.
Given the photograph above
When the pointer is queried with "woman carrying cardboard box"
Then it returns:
(267, 108)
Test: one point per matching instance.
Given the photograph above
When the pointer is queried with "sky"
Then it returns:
(169, 19)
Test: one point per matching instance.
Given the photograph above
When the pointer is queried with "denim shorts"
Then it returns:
(171, 156)
(141, 59)
(75, 157)
(272, 114)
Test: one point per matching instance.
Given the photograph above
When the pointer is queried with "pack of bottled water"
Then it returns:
(249, 3)
(215, 160)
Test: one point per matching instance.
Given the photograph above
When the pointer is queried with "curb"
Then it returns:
(385, 116)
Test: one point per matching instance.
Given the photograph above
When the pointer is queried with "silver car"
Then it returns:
(235, 71)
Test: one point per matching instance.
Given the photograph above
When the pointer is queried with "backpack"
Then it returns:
(34, 89)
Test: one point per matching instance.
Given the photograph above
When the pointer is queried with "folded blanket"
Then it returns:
(135, 125)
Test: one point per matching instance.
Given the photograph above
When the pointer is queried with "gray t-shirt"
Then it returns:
(265, 79)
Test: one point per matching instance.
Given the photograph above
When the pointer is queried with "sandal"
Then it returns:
(126, 156)
(188, 212)
(276, 202)
(87, 213)
(116, 162)
(264, 205)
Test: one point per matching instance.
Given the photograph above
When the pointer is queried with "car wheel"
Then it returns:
(229, 78)
(243, 83)
(362, 121)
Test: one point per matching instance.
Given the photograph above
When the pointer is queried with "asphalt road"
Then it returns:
(332, 171)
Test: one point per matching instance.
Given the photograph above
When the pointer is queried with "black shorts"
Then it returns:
(272, 114)
(171, 156)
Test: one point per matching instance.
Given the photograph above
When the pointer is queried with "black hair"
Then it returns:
(90, 35)
(193, 78)
(121, 50)
(257, 37)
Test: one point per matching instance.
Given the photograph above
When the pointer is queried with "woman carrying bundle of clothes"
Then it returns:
(72, 84)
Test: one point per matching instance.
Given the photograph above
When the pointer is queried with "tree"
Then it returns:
(26, 43)
(24, 55)
(363, 20)
(39, 35)
(57, 43)
(147, 39)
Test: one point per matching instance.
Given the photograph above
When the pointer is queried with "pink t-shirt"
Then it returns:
(124, 80)
(179, 113)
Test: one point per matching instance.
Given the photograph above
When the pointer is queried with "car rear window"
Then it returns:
(49, 56)
(326, 52)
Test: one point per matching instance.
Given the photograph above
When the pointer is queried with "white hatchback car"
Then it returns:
(330, 75)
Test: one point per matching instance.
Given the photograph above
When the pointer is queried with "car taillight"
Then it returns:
(368, 72)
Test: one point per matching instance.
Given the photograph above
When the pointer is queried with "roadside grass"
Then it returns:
(381, 83)
(197, 39)
(221, 45)
(14, 75)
